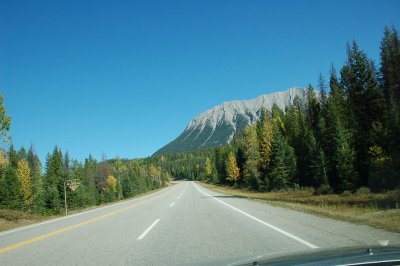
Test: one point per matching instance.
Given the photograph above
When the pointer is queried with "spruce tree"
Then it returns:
(365, 105)
(55, 175)
(283, 162)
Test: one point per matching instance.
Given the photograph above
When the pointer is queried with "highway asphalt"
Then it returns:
(183, 224)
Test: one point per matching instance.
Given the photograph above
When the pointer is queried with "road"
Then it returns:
(179, 225)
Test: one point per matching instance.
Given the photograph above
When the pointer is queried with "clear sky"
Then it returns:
(125, 77)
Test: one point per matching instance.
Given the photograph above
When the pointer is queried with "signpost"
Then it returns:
(73, 184)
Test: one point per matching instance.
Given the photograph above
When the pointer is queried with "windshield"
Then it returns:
(199, 132)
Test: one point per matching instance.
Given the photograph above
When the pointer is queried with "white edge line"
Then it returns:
(172, 204)
(298, 239)
(148, 229)
(74, 215)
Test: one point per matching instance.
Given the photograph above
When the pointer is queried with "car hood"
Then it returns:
(364, 255)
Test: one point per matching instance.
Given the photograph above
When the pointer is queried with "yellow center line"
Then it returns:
(69, 228)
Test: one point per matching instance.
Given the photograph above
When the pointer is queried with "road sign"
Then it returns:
(73, 184)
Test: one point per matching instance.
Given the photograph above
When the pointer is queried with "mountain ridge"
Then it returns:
(218, 125)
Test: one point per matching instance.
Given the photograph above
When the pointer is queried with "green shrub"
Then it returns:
(346, 193)
(362, 191)
(323, 190)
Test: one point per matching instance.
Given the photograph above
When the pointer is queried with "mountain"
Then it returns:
(218, 125)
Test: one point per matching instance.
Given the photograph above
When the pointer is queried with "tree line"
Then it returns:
(25, 185)
(342, 136)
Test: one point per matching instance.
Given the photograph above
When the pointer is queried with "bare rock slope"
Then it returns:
(218, 125)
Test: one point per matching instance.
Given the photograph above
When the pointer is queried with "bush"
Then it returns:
(362, 191)
(346, 193)
(323, 190)
(394, 196)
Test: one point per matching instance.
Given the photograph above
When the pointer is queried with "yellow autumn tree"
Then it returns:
(3, 164)
(3, 159)
(110, 189)
(155, 176)
(208, 168)
(232, 169)
(154, 172)
(266, 142)
(111, 183)
(24, 176)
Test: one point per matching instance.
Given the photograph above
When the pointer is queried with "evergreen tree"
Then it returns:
(102, 172)
(220, 155)
(54, 180)
(13, 197)
(13, 157)
(385, 172)
(283, 162)
(366, 106)
(390, 66)
(3, 169)
(38, 193)
(339, 152)
(344, 160)
(313, 112)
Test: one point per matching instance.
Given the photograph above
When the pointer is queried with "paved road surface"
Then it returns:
(179, 225)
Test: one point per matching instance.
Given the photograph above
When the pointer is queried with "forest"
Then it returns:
(26, 186)
(343, 136)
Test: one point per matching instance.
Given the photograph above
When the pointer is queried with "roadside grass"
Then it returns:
(10, 219)
(376, 210)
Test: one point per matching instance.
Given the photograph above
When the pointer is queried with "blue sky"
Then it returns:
(125, 77)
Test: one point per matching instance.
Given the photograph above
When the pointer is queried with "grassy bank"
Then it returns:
(376, 210)
(10, 219)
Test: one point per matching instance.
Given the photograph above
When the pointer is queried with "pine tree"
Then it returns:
(3, 179)
(54, 181)
(313, 112)
(283, 162)
(102, 172)
(13, 197)
(38, 183)
(220, 155)
(344, 160)
(340, 154)
(386, 174)
(390, 66)
(366, 106)
(13, 157)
